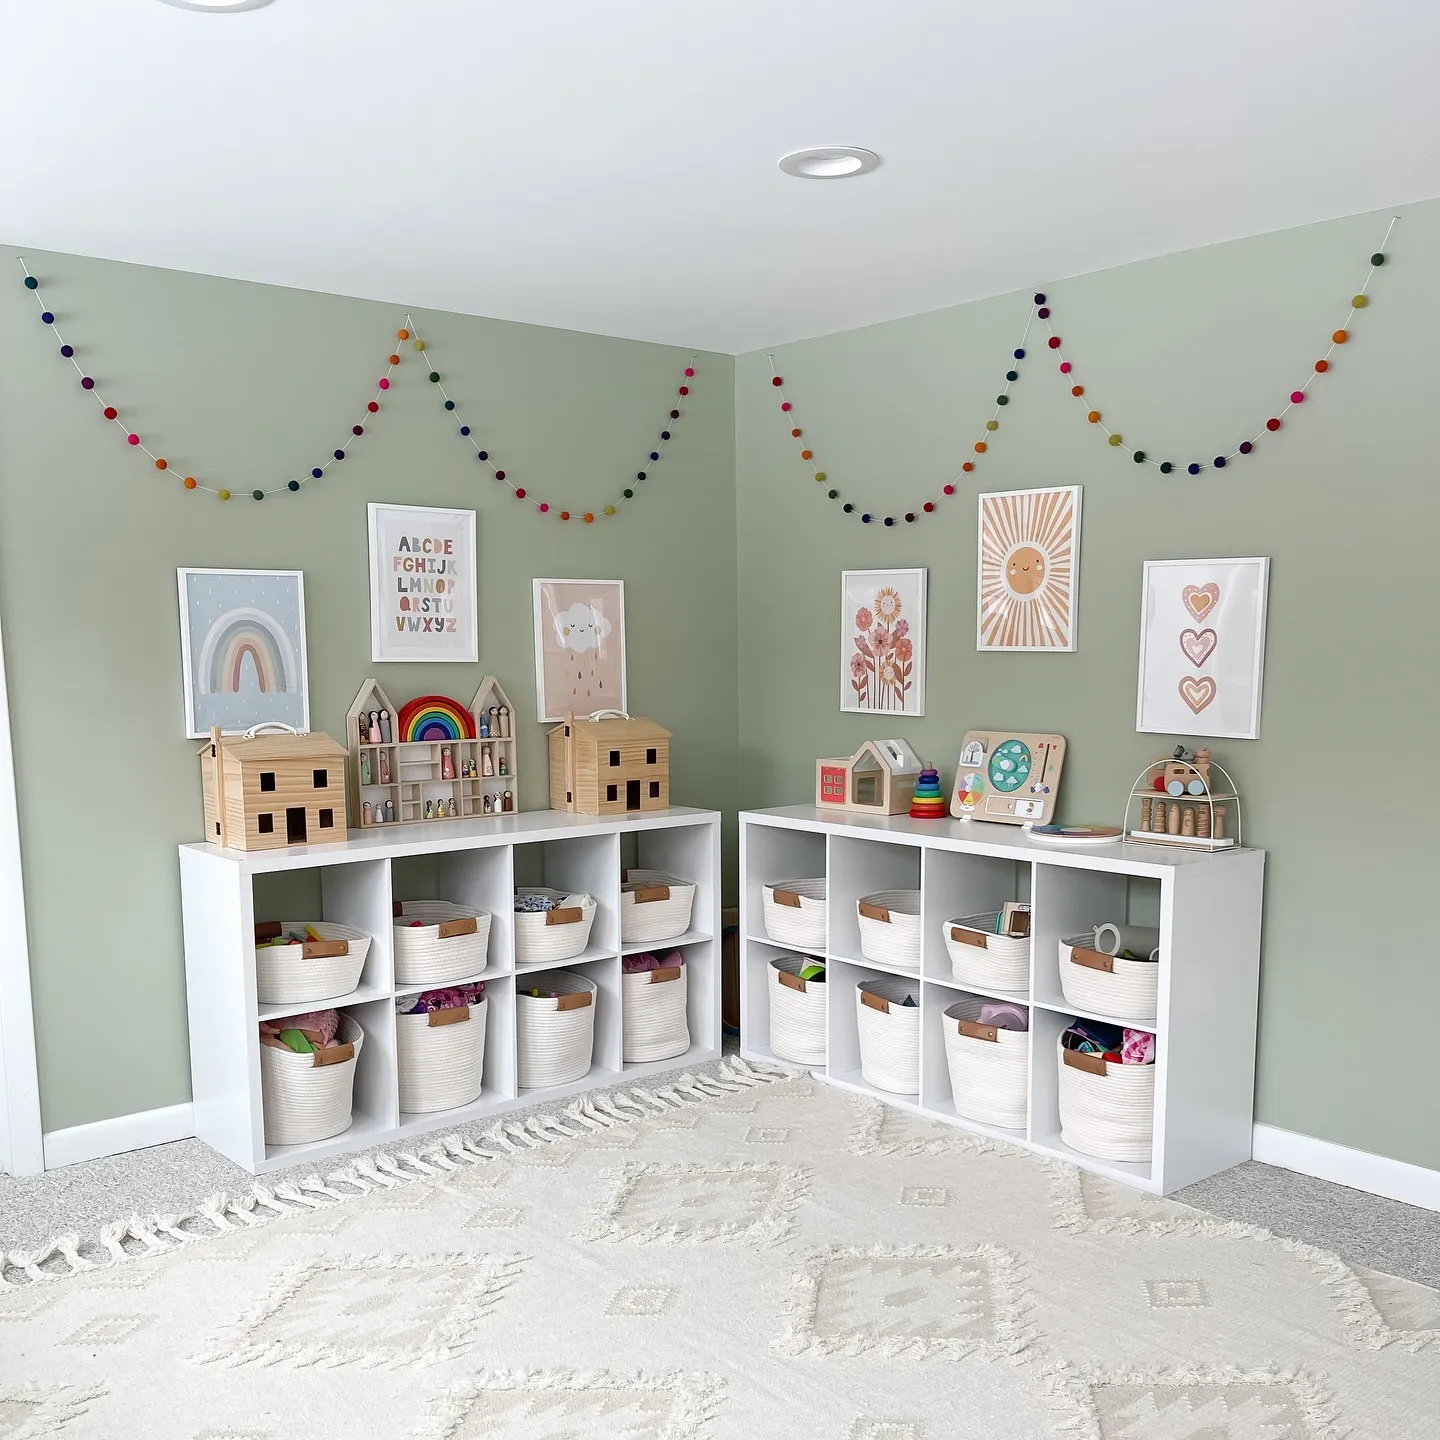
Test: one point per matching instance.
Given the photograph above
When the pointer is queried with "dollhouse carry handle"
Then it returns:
(610, 715)
(275, 726)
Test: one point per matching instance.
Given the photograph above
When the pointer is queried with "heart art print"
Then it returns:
(1198, 645)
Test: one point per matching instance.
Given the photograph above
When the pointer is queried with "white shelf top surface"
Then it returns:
(381, 842)
(979, 837)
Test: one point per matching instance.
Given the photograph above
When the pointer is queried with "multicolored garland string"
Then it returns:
(1358, 301)
(407, 332)
(979, 448)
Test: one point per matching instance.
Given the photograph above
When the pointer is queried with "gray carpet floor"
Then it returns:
(171, 1179)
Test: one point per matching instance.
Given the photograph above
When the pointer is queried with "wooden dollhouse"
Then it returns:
(273, 788)
(878, 779)
(609, 765)
(431, 758)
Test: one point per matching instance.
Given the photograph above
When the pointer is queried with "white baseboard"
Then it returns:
(115, 1136)
(1359, 1169)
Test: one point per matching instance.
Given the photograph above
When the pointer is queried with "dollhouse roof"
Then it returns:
(896, 756)
(616, 729)
(257, 748)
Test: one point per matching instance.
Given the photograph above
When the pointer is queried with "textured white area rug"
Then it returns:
(742, 1258)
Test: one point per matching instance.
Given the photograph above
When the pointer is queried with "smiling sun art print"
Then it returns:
(1029, 570)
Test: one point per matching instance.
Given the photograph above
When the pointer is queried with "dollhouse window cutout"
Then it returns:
(320, 779)
(265, 824)
(267, 779)
(327, 819)
(615, 757)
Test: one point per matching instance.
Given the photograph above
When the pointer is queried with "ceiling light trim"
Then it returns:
(829, 162)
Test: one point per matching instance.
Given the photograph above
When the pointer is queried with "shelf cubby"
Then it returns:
(1207, 906)
(356, 882)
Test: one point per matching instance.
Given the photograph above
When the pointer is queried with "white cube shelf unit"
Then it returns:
(1209, 913)
(475, 863)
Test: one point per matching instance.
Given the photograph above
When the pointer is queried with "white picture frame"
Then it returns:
(242, 649)
(1027, 573)
(579, 648)
(423, 599)
(1202, 647)
(882, 662)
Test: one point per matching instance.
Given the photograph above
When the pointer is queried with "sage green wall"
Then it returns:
(250, 382)
(1186, 355)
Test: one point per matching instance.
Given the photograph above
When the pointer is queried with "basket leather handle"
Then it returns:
(1092, 959)
(976, 1031)
(791, 982)
(874, 912)
(324, 949)
(787, 897)
(455, 1015)
(644, 894)
(875, 1002)
(465, 925)
(577, 1001)
(671, 972)
(570, 915)
(1091, 1064)
(335, 1054)
(968, 937)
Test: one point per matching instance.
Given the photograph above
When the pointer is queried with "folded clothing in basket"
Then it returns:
(534, 904)
(1120, 1044)
(452, 997)
(314, 1030)
(637, 964)
(1004, 1016)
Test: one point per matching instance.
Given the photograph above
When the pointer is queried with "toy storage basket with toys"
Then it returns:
(981, 955)
(654, 906)
(794, 913)
(890, 928)
(308, 1097)
(437, 942)
(653, 1003)
(988, 1065)
(1107, 1109)
(561, 931)
(297, 961)
(554, 1029)
(440, 1055)
(1114, 970)
(887, 1013)
(797, 1009)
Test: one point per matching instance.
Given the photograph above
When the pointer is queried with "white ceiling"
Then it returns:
(609, 165)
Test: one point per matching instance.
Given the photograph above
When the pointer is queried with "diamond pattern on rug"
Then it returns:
(641, 1300)
(496, 1217)
(108, 1329)
(768, 1135)
(885, 1130)
(372, 1309)
(931, 1300)
(935, 1196)
(1177, 1294)
(1083, 1201)
(868, 1428)
(753, 1202)
(32, 1410)
(575, 1405)
(1406, 1311)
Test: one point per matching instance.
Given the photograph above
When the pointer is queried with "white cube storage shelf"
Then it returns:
(475, 864)
(1209, 970)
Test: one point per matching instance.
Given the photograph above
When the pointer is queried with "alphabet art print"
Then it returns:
(1202, 647)
(882, 641)
(579, 647)
(242, 649)
(422, 583)
(1029, 572)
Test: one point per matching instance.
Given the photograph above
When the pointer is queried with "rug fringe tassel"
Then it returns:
(223, 1214)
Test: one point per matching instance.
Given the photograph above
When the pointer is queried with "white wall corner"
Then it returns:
(121, 1133)
(1359, 1169)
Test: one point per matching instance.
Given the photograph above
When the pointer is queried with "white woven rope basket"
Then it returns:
(653, 1010)
(1110, 1116)
(794, 913)
(450, 943)
(797, 1012)
(889, 1037)
(555, 1038)
(441, 1057)
(548, 935)
(301, 972)
(890, 927)
(303, 1101)
(978, 956)
(654, 906)
(989, 1067)
(1107, 984)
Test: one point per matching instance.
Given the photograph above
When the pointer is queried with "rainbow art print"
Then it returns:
(242, 637)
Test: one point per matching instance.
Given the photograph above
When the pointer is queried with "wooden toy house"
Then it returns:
(432, 758)
(609, 766)
(878, 779)
(270, 790)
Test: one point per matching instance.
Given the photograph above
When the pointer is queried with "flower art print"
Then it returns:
(882, 641)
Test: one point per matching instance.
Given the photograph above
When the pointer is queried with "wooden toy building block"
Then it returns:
(609, 765)
(273, 788)
(878, 779)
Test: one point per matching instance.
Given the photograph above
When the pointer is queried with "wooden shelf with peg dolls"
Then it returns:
(432, 758)
(1186, 798)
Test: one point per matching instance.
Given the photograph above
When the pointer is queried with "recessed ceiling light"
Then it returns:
(829, 162)
(216, 6)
